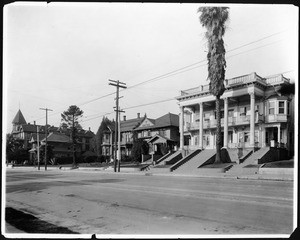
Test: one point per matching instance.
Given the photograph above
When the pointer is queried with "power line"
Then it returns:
(146, 104)
(161, 101)
(183, 69)
(141, 105)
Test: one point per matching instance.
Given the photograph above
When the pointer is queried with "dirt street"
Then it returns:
(109, 203)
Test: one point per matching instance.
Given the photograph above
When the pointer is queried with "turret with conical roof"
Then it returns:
(18, 120)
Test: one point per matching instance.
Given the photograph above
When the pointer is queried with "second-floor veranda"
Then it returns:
(238, 113)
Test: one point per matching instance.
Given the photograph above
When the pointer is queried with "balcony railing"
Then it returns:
(252, 77)
(201, 88)
(277, 79)
(232, 121)
(276, 118)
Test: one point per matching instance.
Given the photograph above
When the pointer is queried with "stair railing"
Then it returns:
(184, 160)
(163, 158)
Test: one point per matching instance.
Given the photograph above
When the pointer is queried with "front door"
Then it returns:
(271, 135)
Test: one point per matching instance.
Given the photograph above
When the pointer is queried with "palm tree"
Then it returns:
(214, 19)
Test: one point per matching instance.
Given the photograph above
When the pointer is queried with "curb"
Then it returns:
(102, 170)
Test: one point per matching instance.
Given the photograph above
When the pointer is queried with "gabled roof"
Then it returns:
(32, 128)
(167, 120)
(130, 124)
(80, 132)
(146, 123)
(19, 118)
(57, 137)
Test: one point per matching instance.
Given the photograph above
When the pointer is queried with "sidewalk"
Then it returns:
(275, 177)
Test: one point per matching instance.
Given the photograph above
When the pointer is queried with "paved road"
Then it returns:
(113, 203)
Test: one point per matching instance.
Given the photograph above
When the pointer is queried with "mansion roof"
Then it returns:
(237, 82)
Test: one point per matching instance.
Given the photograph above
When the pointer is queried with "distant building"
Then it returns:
(108, 140)
(127, 127)
(162, 134)
(58, 137)
(253, 114)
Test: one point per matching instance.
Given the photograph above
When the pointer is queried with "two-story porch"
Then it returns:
(251, 114)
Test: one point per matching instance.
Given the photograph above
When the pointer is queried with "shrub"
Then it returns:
(102, 159)
(90, 159)
(65, 160)
(126, 158)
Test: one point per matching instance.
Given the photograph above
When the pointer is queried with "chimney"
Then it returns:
(34, 122)
(124, 118)
(138, 115)
(89, 128)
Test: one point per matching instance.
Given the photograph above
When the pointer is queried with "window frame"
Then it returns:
(271, 108)
(281, 108)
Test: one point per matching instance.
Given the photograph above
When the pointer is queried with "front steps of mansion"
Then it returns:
(200, 162)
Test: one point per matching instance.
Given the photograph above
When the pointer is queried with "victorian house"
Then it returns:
(162, 134)
(58, 137)
(127, 127)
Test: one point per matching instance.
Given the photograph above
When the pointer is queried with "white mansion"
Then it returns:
(253, 115)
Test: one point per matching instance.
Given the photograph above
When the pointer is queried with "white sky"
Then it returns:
(58, 55)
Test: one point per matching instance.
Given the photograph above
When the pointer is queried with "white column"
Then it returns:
(181, 127)
(225, 122)
(278, 135)
(252, 120)
(263, 136)
(201, 126)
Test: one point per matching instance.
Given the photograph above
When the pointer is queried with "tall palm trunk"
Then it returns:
(218, 133)
(214, 19)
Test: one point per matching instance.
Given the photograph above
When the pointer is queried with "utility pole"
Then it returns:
(38, 146)
(119, 140)
(73, 141)
(118, 85)
(46, 134)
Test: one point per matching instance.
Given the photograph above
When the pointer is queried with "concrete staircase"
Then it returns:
(161, 160)
(172, 159)
(249, 165)
(164, 163)
(199, 158)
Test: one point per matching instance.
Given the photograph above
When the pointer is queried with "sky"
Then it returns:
(62, 54)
